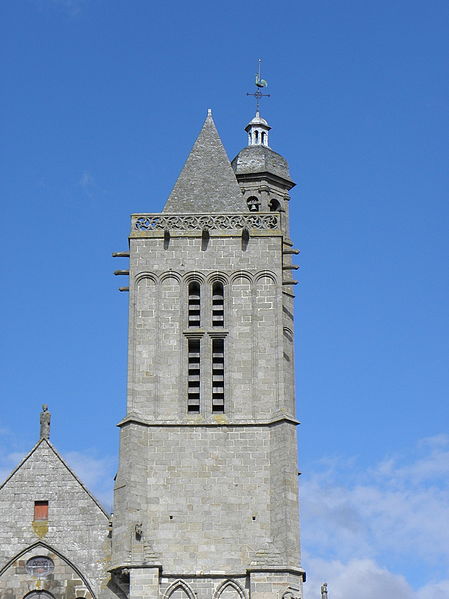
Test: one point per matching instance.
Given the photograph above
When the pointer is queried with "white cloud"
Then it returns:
(394, 514)
(437, 590)
(71, 8)
(86, 180)
(365, 579)
(89, 185)
(95, 473)
(356, 579)
(8, 461)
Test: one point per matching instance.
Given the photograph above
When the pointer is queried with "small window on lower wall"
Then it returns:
(41, 510)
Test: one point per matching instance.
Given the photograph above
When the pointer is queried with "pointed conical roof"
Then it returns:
(207, 182)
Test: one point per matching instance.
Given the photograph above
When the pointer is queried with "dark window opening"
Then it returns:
(253, 204)
(193, 380)
(217, 305)
(217, 375)
(194, 304)
(274, 205)
(41, 510)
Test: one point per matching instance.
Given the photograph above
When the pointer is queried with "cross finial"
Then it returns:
(260, 84)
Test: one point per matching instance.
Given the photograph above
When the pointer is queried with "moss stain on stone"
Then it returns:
(40, 528)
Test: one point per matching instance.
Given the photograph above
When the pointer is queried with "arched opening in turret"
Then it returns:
(256, 136)
(253, 204)
(274, 205)
(264, 137)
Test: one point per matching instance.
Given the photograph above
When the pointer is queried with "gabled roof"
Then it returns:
(35, 449)
(207, 182)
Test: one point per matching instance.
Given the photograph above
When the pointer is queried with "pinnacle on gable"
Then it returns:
(44, 421)
(207, 182)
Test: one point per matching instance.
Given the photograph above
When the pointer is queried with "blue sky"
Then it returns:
(102, 100)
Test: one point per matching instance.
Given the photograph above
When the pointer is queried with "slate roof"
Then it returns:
(260, 159)
(207, 182)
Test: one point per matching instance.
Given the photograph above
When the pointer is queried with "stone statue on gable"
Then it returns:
(45, 418)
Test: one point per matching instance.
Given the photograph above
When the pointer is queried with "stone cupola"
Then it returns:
(257, 130)
(262, 173)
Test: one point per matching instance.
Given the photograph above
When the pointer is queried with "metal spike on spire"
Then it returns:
(260, 84)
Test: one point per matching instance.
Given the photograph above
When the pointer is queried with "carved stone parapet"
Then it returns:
(199, 222)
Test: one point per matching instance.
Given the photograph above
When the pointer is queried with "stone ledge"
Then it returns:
(134, 418)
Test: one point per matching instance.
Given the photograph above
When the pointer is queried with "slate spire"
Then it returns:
(207, 182)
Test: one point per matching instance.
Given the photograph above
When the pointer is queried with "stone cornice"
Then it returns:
(221, 422)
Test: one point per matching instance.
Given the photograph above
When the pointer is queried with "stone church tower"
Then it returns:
(206, 502)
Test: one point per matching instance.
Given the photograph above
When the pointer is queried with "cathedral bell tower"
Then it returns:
(206, 501)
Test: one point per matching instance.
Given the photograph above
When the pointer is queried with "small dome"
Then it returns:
(260, 159)
(258, 120)
(257, 130)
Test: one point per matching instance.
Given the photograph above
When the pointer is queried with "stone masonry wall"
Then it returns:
(158, 332)
(76, 529)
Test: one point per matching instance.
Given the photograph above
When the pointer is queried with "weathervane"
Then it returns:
(260, 84)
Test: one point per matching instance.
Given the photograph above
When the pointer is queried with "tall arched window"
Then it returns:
(194, 304)
(194, 375)
(217, 304)
(217, 375)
